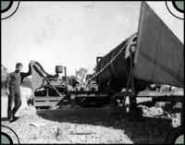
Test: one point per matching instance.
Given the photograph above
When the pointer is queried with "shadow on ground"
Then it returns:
(139, 130)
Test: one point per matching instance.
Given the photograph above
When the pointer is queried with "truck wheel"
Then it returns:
(176, 136)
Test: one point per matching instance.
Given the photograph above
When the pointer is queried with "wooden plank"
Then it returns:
(48, 98)
(91, 95)
(46, 101)
(154, 93)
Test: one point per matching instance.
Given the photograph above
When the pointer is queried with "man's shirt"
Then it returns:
(15, 79)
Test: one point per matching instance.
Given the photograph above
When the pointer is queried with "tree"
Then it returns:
(4, 76)
(80, 74)
(4, 79)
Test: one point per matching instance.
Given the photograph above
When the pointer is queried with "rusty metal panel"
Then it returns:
(160, 54)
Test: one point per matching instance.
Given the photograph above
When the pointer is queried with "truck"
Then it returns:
(153, 55)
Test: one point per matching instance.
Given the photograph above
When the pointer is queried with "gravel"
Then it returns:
(88, 125)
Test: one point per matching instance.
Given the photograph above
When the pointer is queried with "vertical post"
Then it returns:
(97, 61)
(133, 100)
(32, 88)
(65, 73)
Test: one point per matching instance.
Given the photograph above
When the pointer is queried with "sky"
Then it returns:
(72, 34)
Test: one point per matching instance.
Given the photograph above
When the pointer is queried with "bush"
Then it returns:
(4, 76)
(72, 81)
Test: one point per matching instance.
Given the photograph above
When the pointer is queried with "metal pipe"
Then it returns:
(65, 73)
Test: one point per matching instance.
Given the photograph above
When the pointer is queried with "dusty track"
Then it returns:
(88, 125)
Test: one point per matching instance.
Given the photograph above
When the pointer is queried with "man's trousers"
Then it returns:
(14, 97)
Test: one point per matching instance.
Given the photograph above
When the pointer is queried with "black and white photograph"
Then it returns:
(92, 72)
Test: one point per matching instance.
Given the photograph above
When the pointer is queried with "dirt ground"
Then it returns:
(88, 125)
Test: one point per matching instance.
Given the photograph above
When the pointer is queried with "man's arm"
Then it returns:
(23, 74)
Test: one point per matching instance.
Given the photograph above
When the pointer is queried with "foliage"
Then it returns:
(80, 74)
(4, 76)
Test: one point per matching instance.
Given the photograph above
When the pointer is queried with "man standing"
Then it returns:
(15, 79)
